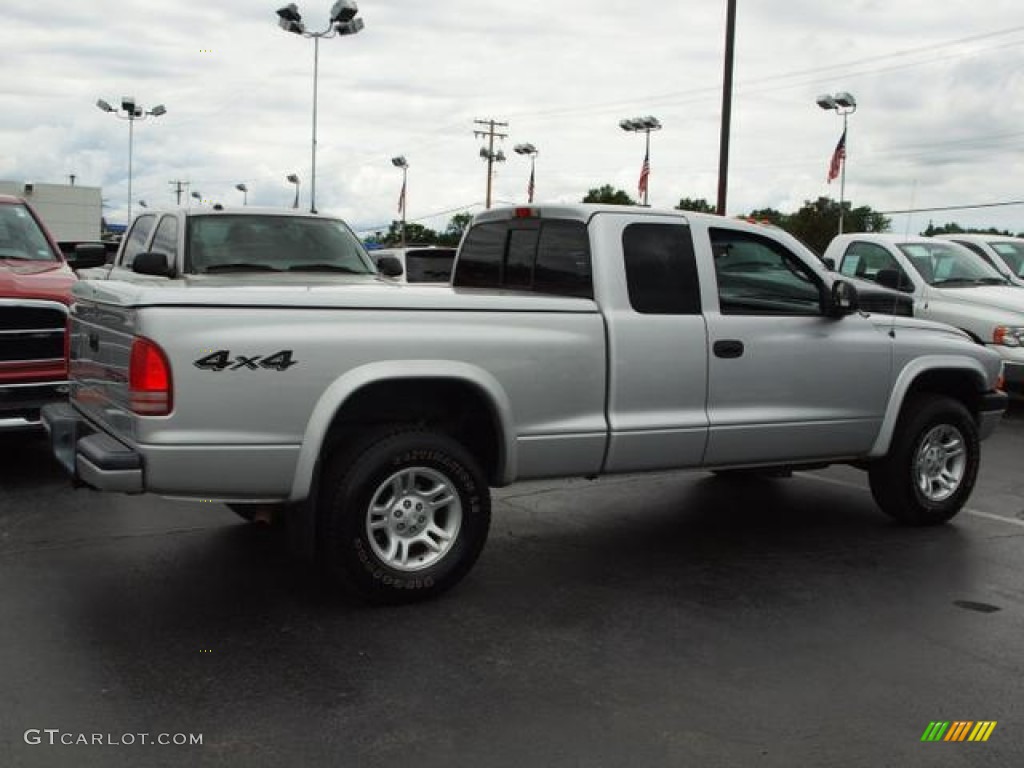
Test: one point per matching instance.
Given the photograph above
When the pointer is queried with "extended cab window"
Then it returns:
(136, 239)
(759, 276)
(661, 271)
(542, 255)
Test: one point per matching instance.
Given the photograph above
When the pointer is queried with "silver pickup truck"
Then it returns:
(575, 340)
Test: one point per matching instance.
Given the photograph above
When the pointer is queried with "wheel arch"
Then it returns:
(461, 399)
(963, 379)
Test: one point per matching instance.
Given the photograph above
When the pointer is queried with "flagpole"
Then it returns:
(842, 174)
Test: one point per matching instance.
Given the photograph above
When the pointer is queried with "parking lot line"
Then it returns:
(975, 512)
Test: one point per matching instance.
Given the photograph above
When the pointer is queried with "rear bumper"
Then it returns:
(20, 404)
(91, 458)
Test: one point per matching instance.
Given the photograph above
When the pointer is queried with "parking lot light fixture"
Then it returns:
(131, 112)
(343, 22)
(643, 125)
(245, 193)
(294, 179)
(844, 104)
(529, 149)
(401, 162)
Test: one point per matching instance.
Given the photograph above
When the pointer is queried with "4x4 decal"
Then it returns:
(221, 360)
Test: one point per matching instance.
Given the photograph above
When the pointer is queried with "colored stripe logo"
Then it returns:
(959, 730)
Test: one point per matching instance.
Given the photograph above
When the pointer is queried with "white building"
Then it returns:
(70, 212)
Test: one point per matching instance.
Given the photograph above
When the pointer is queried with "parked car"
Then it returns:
(576, 340)
(948, 283)
(419, 263)
(1003, 252)
(35, 290)
(210, 245)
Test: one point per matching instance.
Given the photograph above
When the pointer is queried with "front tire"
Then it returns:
(404, 515)
(932, 463)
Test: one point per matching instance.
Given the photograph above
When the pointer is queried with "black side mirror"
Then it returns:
(829, 263)
(152, 263)
(842, 299)
(894, 279)
(87, 255)
(390, 266)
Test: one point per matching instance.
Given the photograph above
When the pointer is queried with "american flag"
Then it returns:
(529, 188)
(837, 158)
(401, 199)
(645, 172)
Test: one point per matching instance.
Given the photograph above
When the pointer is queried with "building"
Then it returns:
(70, 212)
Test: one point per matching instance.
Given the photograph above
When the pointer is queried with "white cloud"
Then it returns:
(937, 118)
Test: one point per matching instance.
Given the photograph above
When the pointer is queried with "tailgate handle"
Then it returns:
(728, 348)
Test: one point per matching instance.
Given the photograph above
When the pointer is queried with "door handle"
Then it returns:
(728, 348)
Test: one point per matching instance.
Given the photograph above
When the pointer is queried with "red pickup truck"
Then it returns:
(35, 291)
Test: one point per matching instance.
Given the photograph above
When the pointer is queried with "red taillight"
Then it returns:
(525, 213)
(149, 379)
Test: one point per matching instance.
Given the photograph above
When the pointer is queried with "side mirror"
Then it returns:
(151, 263)
(894, 279)
(390, 266)
(842, 299)
(830, 263)
(87, 255)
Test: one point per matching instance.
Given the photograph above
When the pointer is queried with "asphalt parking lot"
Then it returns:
(659, 620)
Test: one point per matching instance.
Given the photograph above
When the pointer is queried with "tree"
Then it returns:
(452, 235)
(608, 195)
(951, 228)
(697, 205)
(817, 222)
(414, 233)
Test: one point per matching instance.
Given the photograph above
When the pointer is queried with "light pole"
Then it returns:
(294, 179)
(401, 162)
(343, 22)
(529, 149)
(245, 193)
(843, 104)
(131, 112)
(645, 125)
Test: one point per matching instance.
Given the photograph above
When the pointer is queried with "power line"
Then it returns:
(955, 207)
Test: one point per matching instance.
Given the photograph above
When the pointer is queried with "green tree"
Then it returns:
(414, 234)
(696, 204)
(452, 234)
(772, 216)
(608, 195)
(952, 228)
(817, 222)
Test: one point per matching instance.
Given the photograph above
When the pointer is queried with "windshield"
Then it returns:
(20, 236)
(1012, 255)
(268, 243)
(945, 264)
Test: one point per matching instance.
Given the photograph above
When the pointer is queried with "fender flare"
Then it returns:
(910, 373)
(342, 388)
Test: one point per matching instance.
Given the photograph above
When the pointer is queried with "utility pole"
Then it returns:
(488, 153)
(179, 188)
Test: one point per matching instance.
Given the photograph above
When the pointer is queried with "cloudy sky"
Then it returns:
(940, 87)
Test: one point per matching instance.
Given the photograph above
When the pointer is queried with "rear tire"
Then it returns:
(404, 515)
(932, 463)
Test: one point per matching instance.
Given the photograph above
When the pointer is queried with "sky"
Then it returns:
(939, 87)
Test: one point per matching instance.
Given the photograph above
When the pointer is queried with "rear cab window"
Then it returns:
(549, 256)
